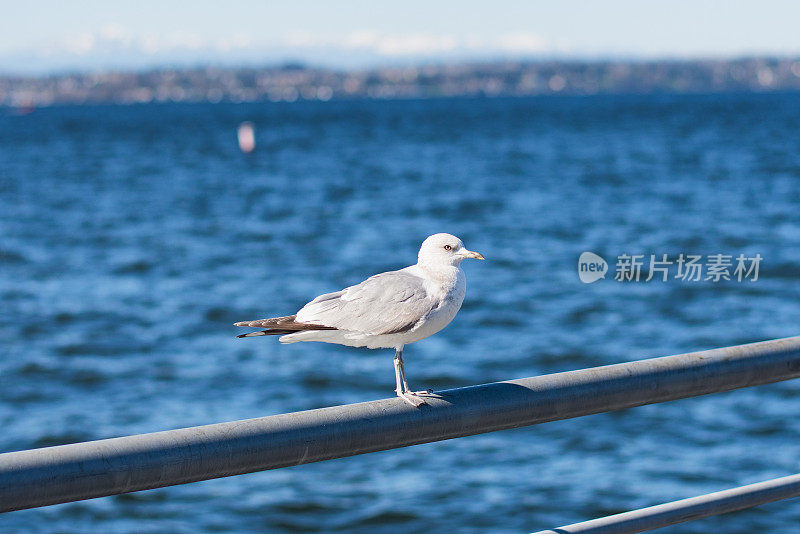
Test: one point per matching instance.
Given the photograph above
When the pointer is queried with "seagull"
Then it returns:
(386, 311)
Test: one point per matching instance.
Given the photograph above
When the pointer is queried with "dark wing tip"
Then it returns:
(278, 326)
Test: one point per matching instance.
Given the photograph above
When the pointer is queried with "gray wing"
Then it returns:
(387, 303)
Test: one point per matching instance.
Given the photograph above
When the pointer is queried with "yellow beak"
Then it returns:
(470, 254)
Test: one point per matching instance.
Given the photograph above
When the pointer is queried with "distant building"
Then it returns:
(290, 83)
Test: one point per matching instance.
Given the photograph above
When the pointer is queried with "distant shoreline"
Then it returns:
(293, 83)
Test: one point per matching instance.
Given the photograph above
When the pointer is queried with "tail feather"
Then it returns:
(268, 333)
(278, 326)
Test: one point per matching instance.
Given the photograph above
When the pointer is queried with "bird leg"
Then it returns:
(402, 385)
(411, 397)
(398, 374)
(405, 383)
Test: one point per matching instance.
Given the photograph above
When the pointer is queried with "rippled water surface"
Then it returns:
(132, 237)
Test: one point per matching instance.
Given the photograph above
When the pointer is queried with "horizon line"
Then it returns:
(312, 65)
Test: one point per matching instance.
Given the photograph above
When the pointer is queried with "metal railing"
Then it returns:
(78, 471)
(684, 510)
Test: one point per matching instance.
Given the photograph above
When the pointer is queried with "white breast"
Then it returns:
(449, 291)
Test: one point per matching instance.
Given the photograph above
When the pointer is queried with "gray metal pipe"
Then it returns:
(78, 471)
(698, 507)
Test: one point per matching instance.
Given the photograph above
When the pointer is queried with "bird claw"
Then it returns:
(412, 398)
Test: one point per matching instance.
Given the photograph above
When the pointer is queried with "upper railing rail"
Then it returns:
(78, 471)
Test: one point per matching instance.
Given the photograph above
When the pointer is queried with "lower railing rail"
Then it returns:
(684, 510)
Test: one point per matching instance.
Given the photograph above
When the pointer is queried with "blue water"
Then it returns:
(132, 237)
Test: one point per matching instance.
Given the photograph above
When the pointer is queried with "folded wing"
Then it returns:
(387, 303)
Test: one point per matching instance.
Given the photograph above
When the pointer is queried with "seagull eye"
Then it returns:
(448, 247)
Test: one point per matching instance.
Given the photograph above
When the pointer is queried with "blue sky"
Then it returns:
(49, 35)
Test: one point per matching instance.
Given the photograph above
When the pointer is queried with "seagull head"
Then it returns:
(445, 249)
